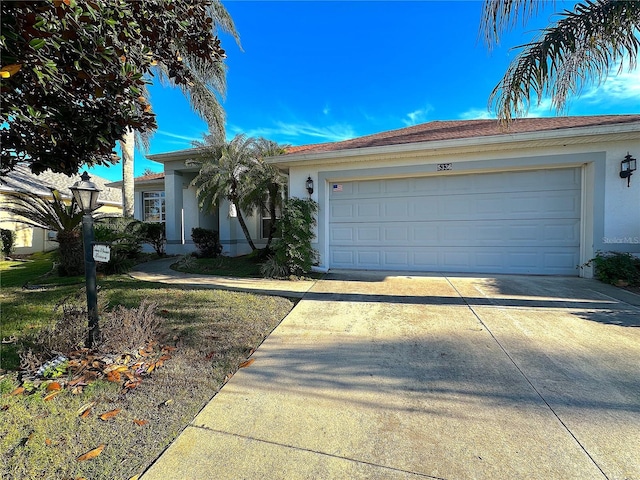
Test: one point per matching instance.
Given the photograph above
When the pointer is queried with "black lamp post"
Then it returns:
(86, 194)
(309, 185)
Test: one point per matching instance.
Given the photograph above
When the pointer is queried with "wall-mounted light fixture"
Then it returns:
(309, 184)
(627, 167)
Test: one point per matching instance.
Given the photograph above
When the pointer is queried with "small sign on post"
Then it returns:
(101, 253)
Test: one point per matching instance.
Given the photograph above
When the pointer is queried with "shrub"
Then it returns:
(122, 330)
(125, 239)
(293, 252)
(7, 241)
(153, 233)
(615, 267)
(274, 268)
(207, 242)
(125, 330)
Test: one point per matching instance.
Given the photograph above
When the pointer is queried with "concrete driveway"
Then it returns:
(383, 376)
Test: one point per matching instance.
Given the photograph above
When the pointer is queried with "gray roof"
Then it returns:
(22, 180)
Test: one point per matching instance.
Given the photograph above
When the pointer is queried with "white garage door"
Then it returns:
(507, 222)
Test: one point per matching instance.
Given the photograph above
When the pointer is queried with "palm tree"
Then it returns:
(205, 84)
(581, 47)
(266, 184)
(56, 215)
(224, 173)
(127, 145)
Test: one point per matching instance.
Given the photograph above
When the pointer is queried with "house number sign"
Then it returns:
(445, 166)
(101, 253)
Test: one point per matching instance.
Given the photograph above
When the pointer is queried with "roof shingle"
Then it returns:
(458, 129)
(21, 179)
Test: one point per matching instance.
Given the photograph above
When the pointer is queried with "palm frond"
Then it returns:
(581, 48)
(33, 210)
(502, 15)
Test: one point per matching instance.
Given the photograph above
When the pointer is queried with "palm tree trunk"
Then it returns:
(272, 213)
(245, 230)
(71, 253)
(127, 144)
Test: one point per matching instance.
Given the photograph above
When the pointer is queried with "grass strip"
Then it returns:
(214, 331)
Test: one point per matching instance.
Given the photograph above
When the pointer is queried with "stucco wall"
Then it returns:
(611, 214)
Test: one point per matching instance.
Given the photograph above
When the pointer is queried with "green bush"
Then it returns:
(125, 239)
(7, 241)
(124, 235)
(153, 233)
(615, 267)
(293, 253)
(207, 242)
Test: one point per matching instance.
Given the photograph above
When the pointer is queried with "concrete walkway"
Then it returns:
(382, 376)
(160, 271)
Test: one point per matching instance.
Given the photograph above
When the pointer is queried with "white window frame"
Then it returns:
(149, 198)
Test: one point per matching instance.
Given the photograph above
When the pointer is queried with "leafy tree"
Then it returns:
(73, 74)
(581, 47)
(56, 215)
(223, 174)
(266, 184)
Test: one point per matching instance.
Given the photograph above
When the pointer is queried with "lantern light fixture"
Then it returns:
(627, 167)
(86, 193)
(309, 185)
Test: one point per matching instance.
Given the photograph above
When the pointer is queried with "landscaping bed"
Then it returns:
(110, 415)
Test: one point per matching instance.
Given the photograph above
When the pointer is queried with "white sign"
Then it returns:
(101, 253)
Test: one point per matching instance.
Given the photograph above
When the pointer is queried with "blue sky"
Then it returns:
(312, 72)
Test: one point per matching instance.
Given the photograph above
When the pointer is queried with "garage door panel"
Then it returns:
(480, 260)
(519, 222)
(342, 211)
(504, 182)
(532, 233)
(370, 235)
(472, 207)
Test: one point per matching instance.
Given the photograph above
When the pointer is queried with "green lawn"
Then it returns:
(243, 266)
(213, 332)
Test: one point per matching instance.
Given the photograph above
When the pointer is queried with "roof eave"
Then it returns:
(173, 156)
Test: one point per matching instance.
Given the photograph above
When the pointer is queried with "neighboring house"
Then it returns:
(540, 197)
(31, 239)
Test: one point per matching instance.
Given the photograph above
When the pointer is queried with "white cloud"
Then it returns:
(476, 114)
(290, 131)
(326, 110)
(617, 87)
(175, 136)
(417, 116)
(543, 109)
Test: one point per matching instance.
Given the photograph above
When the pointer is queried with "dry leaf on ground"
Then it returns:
(109, 415)
(85, 409)
(51, 395)
(247, 363)
(18, 391)
(91, 454)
